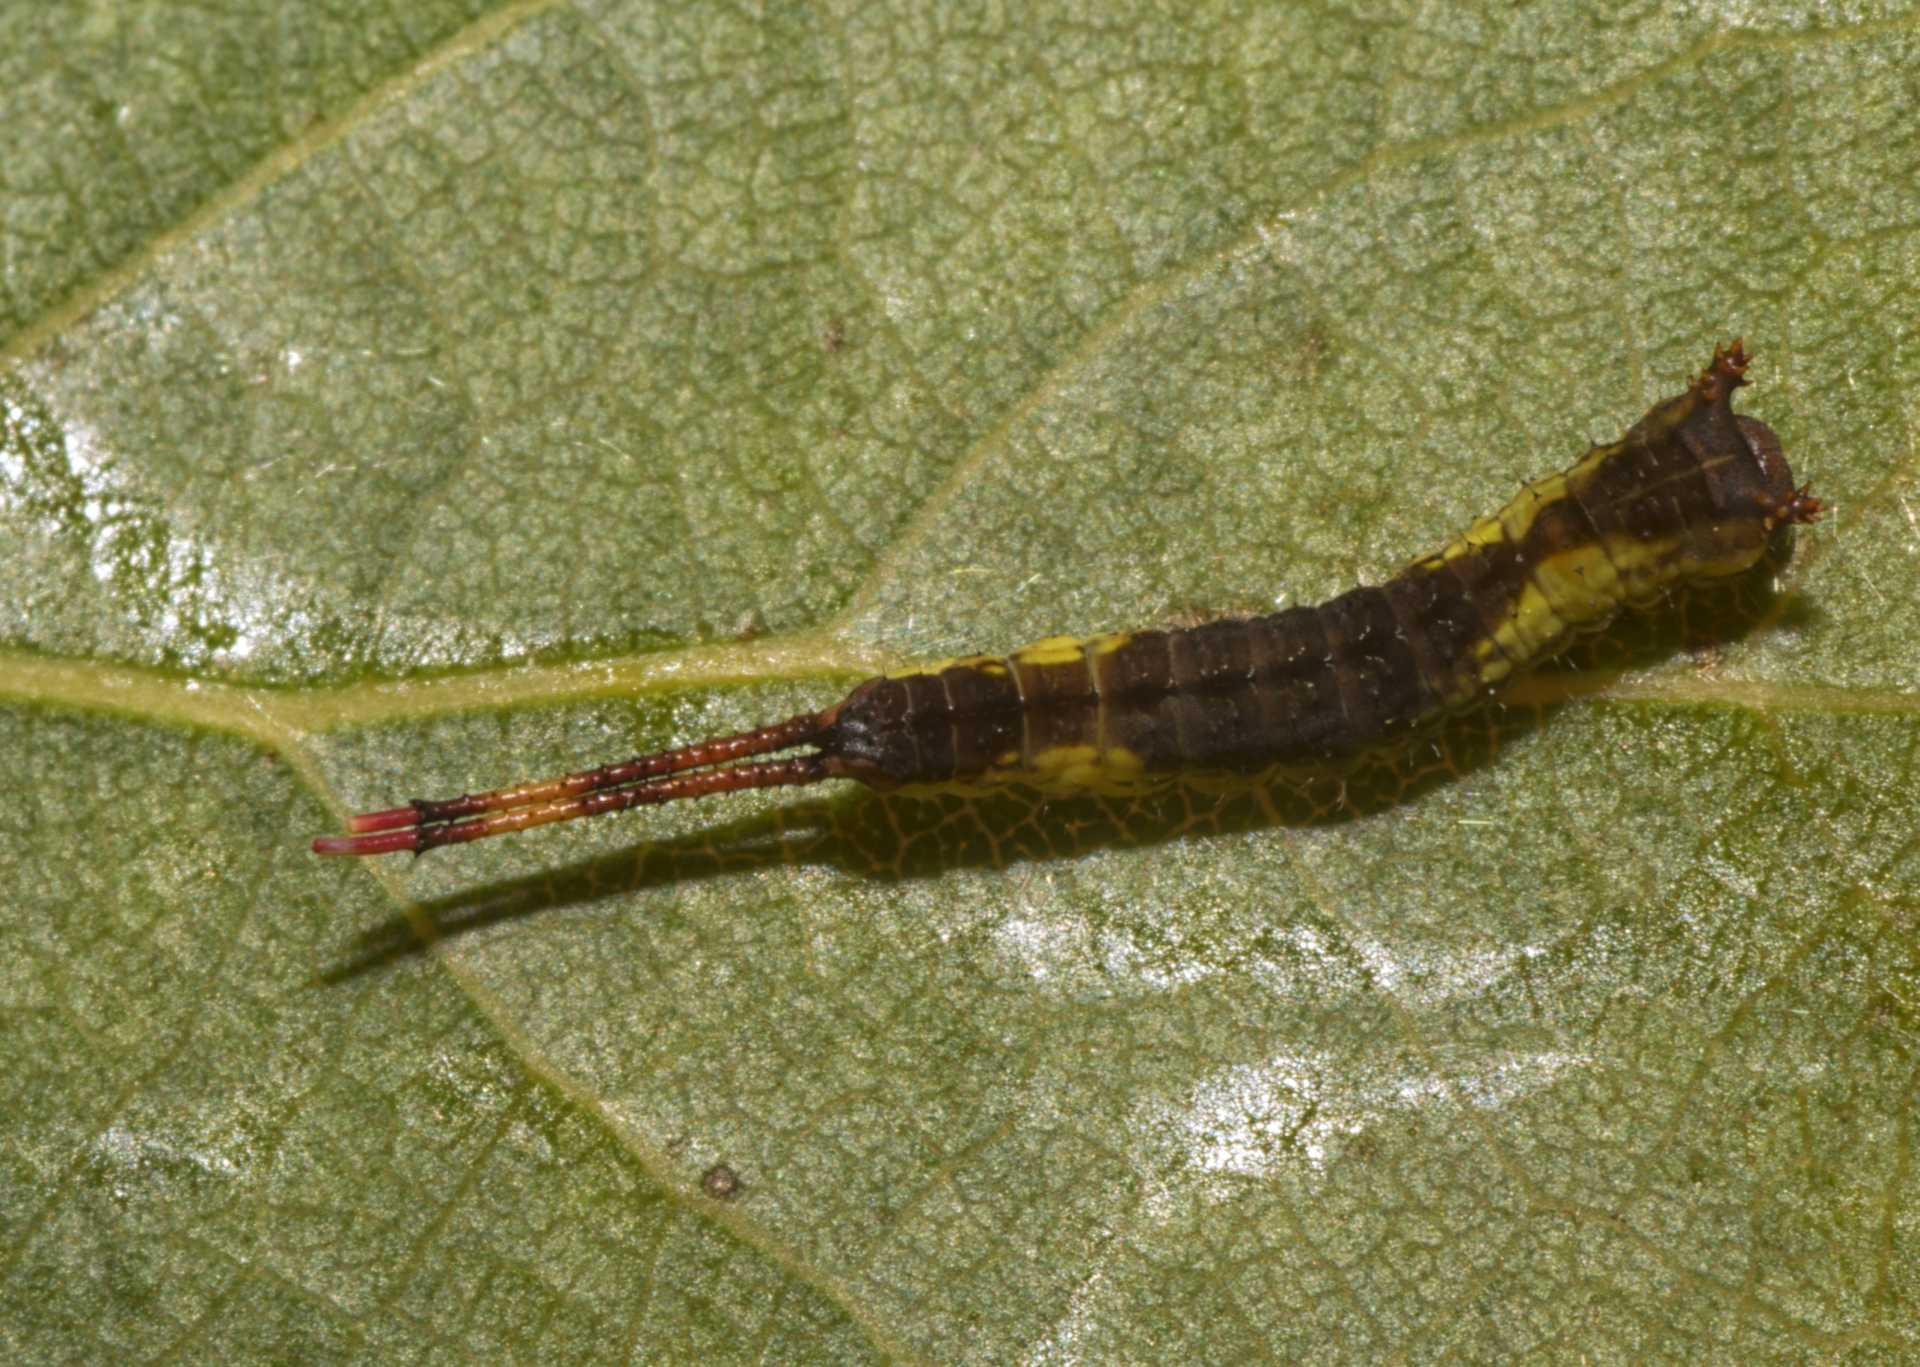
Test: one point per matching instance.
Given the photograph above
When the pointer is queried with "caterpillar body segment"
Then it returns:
(1691, 493)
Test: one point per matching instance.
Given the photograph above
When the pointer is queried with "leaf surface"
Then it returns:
(408, 401)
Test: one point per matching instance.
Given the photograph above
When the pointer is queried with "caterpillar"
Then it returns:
(1691, 493)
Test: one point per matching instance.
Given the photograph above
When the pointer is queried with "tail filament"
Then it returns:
(710, 766)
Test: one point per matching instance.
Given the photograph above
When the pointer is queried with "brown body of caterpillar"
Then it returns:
(1691, 493)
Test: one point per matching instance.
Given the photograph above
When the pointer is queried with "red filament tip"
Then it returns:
(386, 843)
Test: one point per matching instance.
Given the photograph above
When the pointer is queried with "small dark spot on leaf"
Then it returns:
(749, 626)
(720, 1182)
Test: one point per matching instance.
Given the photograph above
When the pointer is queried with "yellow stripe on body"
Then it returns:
(987, 664)
(1567, 588)
(1050, 651)
(1059, 770)
(1065, 769)
(1531, 626)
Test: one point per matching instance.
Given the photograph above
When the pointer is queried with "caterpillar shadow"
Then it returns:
(896, 838)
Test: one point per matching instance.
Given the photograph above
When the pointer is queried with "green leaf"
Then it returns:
(411, 400)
